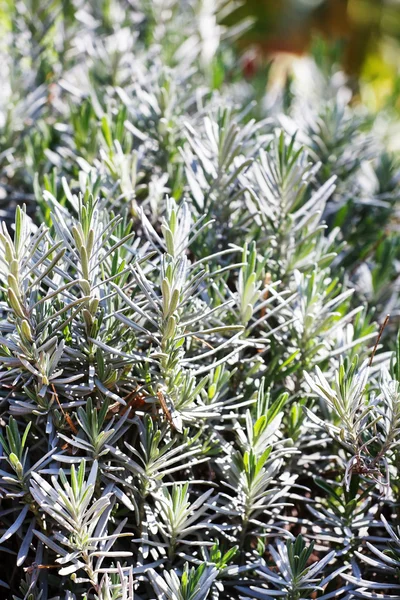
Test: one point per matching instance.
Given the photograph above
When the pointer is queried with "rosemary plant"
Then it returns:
(197, 397)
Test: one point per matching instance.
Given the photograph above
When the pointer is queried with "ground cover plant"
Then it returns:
(199, 379)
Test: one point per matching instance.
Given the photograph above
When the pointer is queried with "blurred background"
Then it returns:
(360, 36)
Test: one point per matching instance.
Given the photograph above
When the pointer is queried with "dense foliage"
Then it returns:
(194, 398)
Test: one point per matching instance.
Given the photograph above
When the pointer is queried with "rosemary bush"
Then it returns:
(199, 386)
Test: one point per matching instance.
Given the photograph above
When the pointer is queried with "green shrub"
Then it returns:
(199, 387)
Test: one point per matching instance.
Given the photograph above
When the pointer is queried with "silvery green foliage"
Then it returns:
(292, 576)
(381, 559)
(191, 405)
(71, 506)
(367, 426)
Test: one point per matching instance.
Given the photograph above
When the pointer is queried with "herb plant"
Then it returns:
(199, 384)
